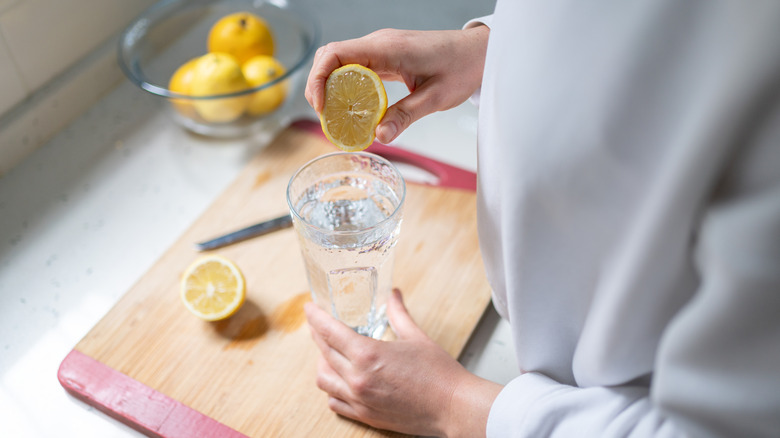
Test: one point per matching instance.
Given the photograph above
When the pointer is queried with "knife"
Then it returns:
(264, 227)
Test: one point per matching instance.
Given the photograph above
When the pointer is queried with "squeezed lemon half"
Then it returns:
(355, 102)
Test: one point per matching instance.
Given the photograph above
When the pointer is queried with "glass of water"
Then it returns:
(347, 208)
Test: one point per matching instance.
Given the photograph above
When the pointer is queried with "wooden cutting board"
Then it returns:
(153, 365)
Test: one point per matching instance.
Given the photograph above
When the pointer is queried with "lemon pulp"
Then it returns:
(355, 102)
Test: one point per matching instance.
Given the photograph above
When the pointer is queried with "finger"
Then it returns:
(342, 408)
(328, 58)
(337, 360)
(324, 63)
(400, 320)
(422, 101)
(331, 382)
(335, 334)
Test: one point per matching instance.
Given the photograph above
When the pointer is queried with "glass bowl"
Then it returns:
(172, 32)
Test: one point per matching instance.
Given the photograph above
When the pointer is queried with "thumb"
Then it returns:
(418, 104)
(400, 320)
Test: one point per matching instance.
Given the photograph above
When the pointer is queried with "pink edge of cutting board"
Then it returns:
(133, 403)
(152, 412)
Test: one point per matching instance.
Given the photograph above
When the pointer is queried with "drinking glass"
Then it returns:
(347, 212)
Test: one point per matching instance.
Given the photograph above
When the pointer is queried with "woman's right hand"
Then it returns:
(441, 69)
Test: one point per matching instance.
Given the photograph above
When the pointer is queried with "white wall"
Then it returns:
(41, 41)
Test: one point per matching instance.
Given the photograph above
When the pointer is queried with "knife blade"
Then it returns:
(264, 227)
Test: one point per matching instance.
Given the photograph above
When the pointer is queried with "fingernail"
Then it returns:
(385, 132)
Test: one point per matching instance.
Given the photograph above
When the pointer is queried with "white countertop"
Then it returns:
(88, 213)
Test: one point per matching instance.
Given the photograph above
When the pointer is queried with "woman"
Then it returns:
(629, 220)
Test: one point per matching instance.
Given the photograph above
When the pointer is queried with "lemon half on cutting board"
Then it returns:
(213, 288)
(355, 102)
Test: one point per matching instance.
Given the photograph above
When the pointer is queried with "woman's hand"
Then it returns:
(410, 385)
(441, 69)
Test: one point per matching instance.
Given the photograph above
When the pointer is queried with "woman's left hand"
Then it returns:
(410, 385)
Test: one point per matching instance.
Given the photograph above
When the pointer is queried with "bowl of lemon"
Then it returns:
(227, 68)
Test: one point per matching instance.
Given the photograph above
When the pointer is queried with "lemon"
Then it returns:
(212, 288)
(259, 70)
(241, 34)
(219, 73)
(180, 83)
(355, 102)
